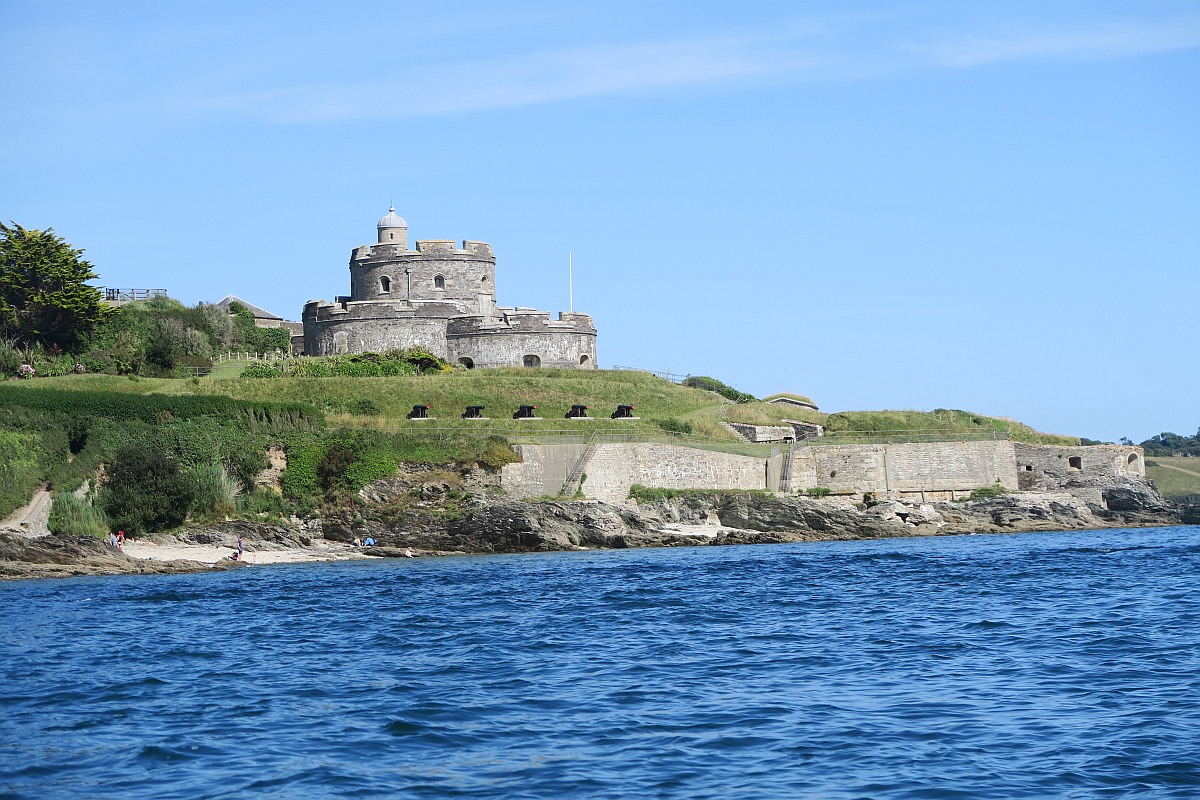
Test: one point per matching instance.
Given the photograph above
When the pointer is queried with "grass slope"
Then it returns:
(1173, 475)
(553, 392)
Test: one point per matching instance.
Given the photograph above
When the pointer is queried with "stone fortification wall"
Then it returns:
(510, 338)
(543, 469)
(940, 468)
(437, 270)
(330, 329)
(613, 468)
(762, 433)
(1052, 467)
(935, 470)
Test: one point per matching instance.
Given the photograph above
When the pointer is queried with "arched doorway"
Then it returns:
(531, 361)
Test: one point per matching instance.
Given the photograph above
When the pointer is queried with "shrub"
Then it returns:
(988, 492)
(673, 425)
(364, 406)
(70, 514)
(215, 490)
(145, 491)
(714, 385)
(818, 491)
(261, 371)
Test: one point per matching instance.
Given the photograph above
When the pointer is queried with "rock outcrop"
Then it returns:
(62, 556)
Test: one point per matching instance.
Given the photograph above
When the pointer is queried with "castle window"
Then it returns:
(439, 282)
(385, 284)
(531, 361)
(1132, 461)
(466, 362)
(1075, 462)
(583, 360)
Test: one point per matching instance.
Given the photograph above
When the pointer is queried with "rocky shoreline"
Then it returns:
(428, 511)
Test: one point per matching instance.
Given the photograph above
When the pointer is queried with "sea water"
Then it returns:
(1056, 665)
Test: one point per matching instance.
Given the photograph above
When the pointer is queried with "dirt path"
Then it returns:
(31, 520)
(1178, 469)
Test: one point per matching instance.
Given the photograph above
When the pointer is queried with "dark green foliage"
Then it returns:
(714, 385)
(673, 425)
(23, 466)
(1172, 444)
(261, 371)
(988, 492)
(145, 491)
(44, 296)
(818, 491)
(254, 415)
(393, 363)
(364, 406)
(331, 471)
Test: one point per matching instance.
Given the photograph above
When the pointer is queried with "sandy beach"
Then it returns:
(210, 554)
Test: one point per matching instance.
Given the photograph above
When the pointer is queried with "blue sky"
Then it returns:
(986, 206)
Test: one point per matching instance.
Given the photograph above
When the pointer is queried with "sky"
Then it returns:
(910, 205)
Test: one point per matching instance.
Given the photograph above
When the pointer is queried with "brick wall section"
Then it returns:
(1042, 466)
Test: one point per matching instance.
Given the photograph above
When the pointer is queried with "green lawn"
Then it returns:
(553, 392)
(1174, 476)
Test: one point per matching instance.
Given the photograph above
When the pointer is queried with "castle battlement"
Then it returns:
(525, 321)
(441, 297)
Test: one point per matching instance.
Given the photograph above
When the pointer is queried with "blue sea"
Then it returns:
(1056, 665)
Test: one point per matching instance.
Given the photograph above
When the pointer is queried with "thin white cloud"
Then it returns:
(1112, 41)
(526, 79)
(788, 55)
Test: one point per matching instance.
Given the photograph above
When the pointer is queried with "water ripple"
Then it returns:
(1043, 665)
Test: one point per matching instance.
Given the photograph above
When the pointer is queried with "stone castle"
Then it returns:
(442, 298)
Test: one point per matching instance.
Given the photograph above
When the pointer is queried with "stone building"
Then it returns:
(442, 298)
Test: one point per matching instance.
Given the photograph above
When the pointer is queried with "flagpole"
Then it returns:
(571, 280)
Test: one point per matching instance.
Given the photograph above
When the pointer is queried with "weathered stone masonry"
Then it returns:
(928, 470)
(442, 298)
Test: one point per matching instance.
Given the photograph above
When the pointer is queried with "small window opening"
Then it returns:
(1075, 462)
(583, 360)
(466, 362)
(439, 282)
(385, 284)
(531, 361)
(391, 236)
(1029, 468)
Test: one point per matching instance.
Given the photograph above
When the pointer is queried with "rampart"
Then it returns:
(930, 470)
(1052, 466)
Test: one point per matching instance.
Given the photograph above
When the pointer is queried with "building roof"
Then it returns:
(259, 313)
(392, 220)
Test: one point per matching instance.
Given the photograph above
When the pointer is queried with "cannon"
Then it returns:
(473, 412)
(577, 412)
(623, 412)
(525, 412)
(419, 412)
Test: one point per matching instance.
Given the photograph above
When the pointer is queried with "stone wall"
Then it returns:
(762, 433)
(1051, 466)
(568, 342)
(543, 469)
(466, 273)
(613, 468)
(938, 469)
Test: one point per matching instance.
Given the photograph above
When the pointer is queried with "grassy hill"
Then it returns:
(1174, 476)
(383, 403)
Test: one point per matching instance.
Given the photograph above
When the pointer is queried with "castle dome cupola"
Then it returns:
(393, 229)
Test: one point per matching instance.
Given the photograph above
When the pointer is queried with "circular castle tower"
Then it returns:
(442, 298)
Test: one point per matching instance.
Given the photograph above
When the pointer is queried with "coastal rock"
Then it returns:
(64, 555)
(1136, 498)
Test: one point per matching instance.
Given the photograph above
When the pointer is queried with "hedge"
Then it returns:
(254, 415)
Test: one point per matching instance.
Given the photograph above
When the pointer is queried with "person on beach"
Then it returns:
(241, 548)
(408, 553)
(120, 540)
(112, 540)
(357, 542)
(369, 542)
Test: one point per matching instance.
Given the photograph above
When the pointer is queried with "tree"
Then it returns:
(44, 296)
(145, 490)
